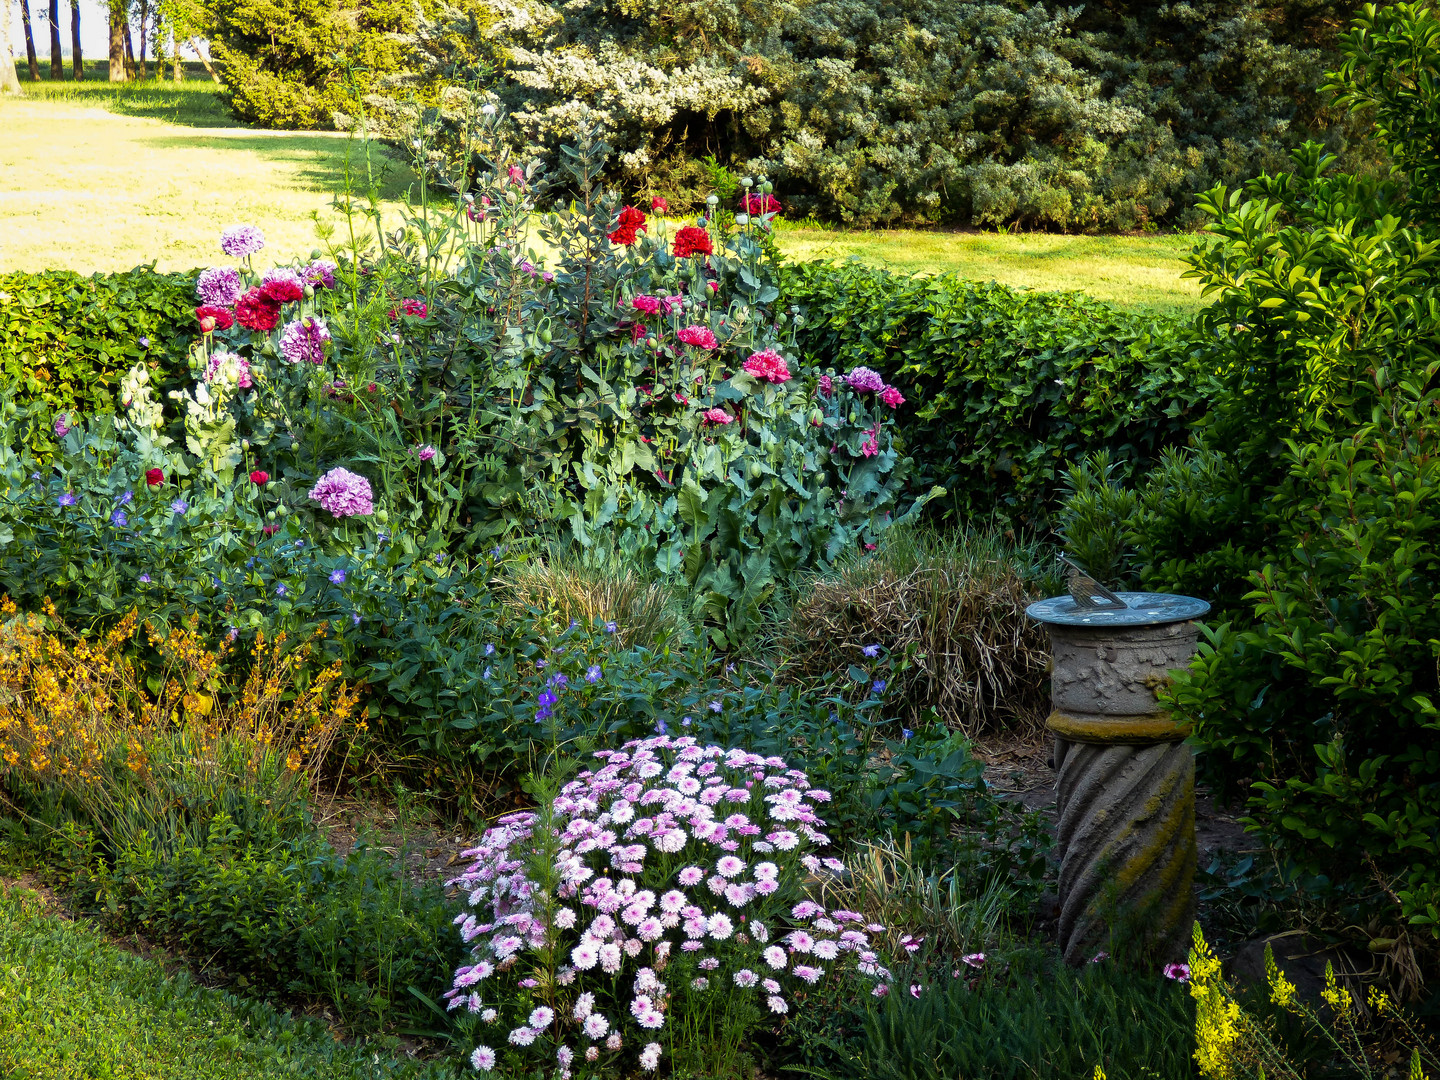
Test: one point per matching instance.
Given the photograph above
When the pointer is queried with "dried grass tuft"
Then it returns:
(644, 612)
(956, 602)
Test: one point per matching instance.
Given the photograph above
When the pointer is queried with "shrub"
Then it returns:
(952, 605)
(1306, 514)
(1006, 387)
(931, 110)
(702, 894)
(67, 340)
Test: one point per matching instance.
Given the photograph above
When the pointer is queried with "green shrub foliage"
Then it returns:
(1106, 116)
(1307, 513)
(297, 63)
(1009, 387)
(67, 340)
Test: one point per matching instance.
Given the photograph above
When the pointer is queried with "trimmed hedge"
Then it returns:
(1005, 387)
(67, 340)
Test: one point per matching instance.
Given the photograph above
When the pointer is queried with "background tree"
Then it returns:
(77, 58)
(117, 40)
(9, 82)
(57, 61)
(29, 41)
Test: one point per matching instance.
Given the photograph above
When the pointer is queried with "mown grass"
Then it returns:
(73, 1005)
(101, 176)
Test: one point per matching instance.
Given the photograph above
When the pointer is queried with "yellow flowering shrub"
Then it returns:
(1233, 1044)
(79, 719)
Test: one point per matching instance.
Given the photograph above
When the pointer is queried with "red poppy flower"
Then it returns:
(214, 318)
(259, 476)
(658, 204)
(630, 223)
(692, 240)
(282, 290)
(154, 477)
(255, 311)
(270, 530)
(760, 204)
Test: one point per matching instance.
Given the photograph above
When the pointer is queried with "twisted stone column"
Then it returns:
(1125, 783)
(1127, 842)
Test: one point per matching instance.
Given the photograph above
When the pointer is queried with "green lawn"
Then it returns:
(73, 1005)
(95, 176)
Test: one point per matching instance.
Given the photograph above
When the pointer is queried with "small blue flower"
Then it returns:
(299, 543)
(660, 728)
(592, 673)
(337, 577)
(558, 680)
(249, 563)
(489, 650)
(234, 633)
(871, 650)
(179, 506)
(144, 342)
(127, 498)
(487, 674)
(354, 618)
(440, 557)
(547, 698)
(541, 665)
(67, 499)
(495, 551)
(878, 686)
(906, 734)
(119, 519)
(145, 578)
(380, 538)
(715, 706)
(281, 590)
(685, 722)
(610, 628)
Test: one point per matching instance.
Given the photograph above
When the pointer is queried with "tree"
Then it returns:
(117, 40)
(9, 83)
(57, 62)
(29, 42)
(76, 58)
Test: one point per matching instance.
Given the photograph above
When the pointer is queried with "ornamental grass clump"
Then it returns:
(655, 908)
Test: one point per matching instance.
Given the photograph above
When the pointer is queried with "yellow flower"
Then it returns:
(1335, 995)
(1282, 990)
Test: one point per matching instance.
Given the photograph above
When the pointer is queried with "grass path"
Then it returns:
(73, 1005)
(99, 178)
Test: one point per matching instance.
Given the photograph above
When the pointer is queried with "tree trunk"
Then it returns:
(175, 52)
(9, 82)
(57, 62)
(77, 60)
(144, 38)
(129, 47)
(195, 44)
(117, 41)
(29, 40)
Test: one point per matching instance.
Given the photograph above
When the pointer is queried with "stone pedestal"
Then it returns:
(1125, 778)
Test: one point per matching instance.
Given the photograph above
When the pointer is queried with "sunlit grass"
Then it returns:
(1131, 271)
(101, 176)
(88, 184)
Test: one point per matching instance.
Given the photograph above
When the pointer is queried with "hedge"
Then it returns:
(67, 340)
(1004, 387)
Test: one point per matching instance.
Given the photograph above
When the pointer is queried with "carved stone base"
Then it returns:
(1127, 838)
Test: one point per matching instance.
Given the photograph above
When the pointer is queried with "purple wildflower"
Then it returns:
(62, 425)
(863, 378)
(144, 579)
(305, 340)
(67, 499)
(179, 506)
(219, 286)
(337, 577)
(427, 452)
(241, 241)
(119, 520)
(320, 273)
(344, 494)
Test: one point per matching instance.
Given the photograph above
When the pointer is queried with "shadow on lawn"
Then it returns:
(314, 160)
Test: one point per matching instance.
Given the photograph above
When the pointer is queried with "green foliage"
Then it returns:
(74, 1006)
(1102, 116)
(1006, 387)
(291, 64)
(67, 340)
(1306, 513)
(1031, 1019)
(293, 918)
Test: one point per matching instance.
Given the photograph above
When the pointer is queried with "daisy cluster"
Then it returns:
(678, 868)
